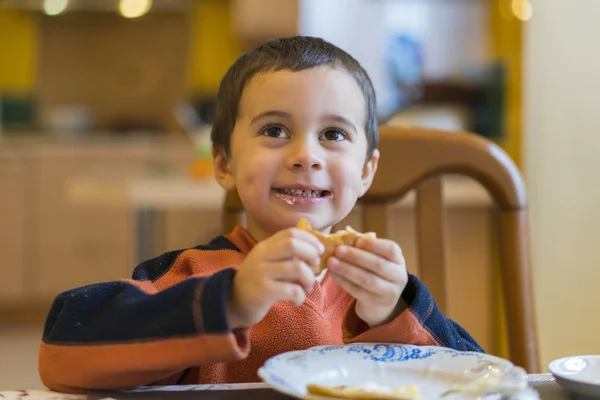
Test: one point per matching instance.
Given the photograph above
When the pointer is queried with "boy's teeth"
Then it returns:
(305, 193)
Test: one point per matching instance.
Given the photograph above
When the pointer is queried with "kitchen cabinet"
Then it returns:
(47, 244)
(79, 245)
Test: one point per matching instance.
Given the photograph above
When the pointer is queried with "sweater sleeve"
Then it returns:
(421, 323)
(123, 334)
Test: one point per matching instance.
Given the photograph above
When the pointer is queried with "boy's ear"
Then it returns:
(223, 173)
(368, 171)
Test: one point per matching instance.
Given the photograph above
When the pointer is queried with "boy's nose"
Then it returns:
(306, 156)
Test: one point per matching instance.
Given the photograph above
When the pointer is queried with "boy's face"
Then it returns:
(298, 150)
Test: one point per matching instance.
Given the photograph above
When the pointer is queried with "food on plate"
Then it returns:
(365, 391)
(331, 241)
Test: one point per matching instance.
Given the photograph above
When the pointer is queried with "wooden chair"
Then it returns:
(416, 159)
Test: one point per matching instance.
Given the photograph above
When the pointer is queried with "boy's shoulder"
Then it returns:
(219, 253)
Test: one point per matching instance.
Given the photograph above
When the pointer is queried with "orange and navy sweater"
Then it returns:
(168, 324)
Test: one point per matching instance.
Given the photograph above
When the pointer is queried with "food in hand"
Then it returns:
(331, 241)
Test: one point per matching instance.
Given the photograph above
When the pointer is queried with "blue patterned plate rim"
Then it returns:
(373, 352)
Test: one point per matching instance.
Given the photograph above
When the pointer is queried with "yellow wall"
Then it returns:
(18, 51)
(507, 46)
(213, 45)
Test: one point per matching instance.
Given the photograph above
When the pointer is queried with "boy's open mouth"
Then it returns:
(303, 193)
(305, 196)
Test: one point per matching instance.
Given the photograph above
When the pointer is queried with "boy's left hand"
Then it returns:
(374, 273)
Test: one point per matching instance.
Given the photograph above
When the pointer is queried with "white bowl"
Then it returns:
(580, 375)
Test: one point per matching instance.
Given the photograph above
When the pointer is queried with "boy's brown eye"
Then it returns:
(274, 132)
(334, 134)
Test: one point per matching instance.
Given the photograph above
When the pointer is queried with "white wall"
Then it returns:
(454, 34)
(562, 156)
(355, 26)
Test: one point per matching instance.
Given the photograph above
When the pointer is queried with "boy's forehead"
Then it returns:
(317, 89)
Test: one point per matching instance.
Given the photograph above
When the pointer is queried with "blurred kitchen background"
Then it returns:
(106, 107)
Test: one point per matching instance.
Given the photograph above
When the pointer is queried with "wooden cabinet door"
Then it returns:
(77, 245)
(80, 245)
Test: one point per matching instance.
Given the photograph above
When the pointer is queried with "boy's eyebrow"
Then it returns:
(275, 113)
(343, 120)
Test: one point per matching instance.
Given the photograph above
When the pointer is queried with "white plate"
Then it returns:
(580, 375)
(432, 369)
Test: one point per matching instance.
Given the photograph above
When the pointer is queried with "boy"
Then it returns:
(296, 134)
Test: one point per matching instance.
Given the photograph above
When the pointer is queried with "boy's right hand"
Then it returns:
(268, 274)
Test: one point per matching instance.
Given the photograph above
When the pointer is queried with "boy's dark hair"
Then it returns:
(296, 53)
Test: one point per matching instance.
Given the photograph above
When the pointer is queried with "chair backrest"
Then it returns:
(415, 159)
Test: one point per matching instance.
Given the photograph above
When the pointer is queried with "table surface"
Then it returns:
(545, 384)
